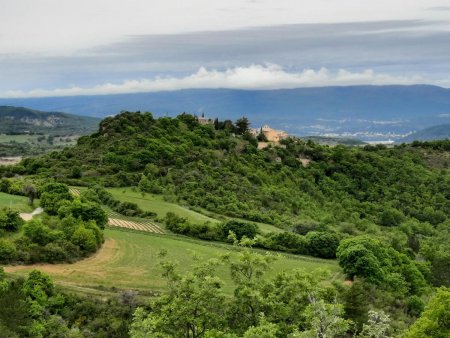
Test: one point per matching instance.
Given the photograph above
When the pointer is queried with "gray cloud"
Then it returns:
(439, 8)
(398, 48)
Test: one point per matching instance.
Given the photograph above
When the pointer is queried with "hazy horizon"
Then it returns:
(105, 47)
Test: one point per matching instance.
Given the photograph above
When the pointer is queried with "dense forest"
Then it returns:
(383, 213)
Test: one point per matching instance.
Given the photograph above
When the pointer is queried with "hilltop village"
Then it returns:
(264, 134)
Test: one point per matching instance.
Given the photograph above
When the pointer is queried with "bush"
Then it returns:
(86, 211)
(239, 228)
(322, 244)
(40, 233)
(10, 220)
(7, 250)
(391, 218)
(285, 241)
(85, 239)
(53, 196)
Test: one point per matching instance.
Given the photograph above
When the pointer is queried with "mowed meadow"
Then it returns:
(130, 260)
(16, 203)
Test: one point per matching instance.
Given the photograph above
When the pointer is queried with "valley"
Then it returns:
(153, 210)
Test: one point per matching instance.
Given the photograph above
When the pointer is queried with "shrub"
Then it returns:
(239, 228)
(391, 218)
(7, 250)
(10, 220)
(85, 239)
(322, 244)
(53, 196)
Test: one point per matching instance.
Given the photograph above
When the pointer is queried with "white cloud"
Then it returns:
(269, 76)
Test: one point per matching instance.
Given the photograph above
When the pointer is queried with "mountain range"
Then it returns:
(369, 113)
(439, 132)
(20, 120)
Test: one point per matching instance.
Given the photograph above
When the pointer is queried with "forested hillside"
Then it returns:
(220, 172)
(20, 120)
(383, 213)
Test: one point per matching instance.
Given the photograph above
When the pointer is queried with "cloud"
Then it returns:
(405, 48)
(268, 76)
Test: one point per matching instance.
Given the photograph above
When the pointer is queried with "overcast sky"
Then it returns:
(82, 47)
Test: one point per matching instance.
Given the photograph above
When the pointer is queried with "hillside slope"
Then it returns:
(214, 170)
(20, 120)
(439, 132)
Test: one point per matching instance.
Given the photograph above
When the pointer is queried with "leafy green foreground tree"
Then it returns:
(292, 305)
(34, 307)
(435, 320)
(70, 229)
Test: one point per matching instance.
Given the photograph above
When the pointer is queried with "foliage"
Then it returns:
(99, 194)
(322, 244)
(10, 220)
(74, 234)
(435, 320)
(34, 307)
(240, 229)
(53, 195)
(369, 258)
(291, 304)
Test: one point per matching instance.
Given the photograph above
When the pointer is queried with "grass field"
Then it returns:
(18, 203)
(130, 260)
(33, 139)
(18, 138)
(156, 203)
(134, 223)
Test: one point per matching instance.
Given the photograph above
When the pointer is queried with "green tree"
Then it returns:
(435, 320)
(240, 229)
(363, 256)
(324, 320)
(87, 211)
(31, 192)
(7, 250)
(391, 217)
(10, 220)
(242, 125)
(85, 239)
(53, 195)
(322, 244)
(193, 306)
(376, 327)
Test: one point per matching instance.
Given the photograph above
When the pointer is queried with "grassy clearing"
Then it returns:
(156, 203)
(33, 139)
(18, 203)
(18, 138)
(130, 260)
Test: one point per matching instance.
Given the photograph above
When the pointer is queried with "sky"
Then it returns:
(87, 47)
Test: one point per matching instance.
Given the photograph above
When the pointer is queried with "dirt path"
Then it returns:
(108, 252)
(29, 216)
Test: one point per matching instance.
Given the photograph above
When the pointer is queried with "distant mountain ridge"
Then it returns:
(20, 120)
(364, 112)
(439, 132)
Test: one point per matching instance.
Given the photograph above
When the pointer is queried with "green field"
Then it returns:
(19, 203)
(156, 203)
(18, 138)
(130, 260)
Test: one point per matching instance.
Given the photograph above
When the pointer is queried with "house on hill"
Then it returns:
(203, 120)
(273, 135)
